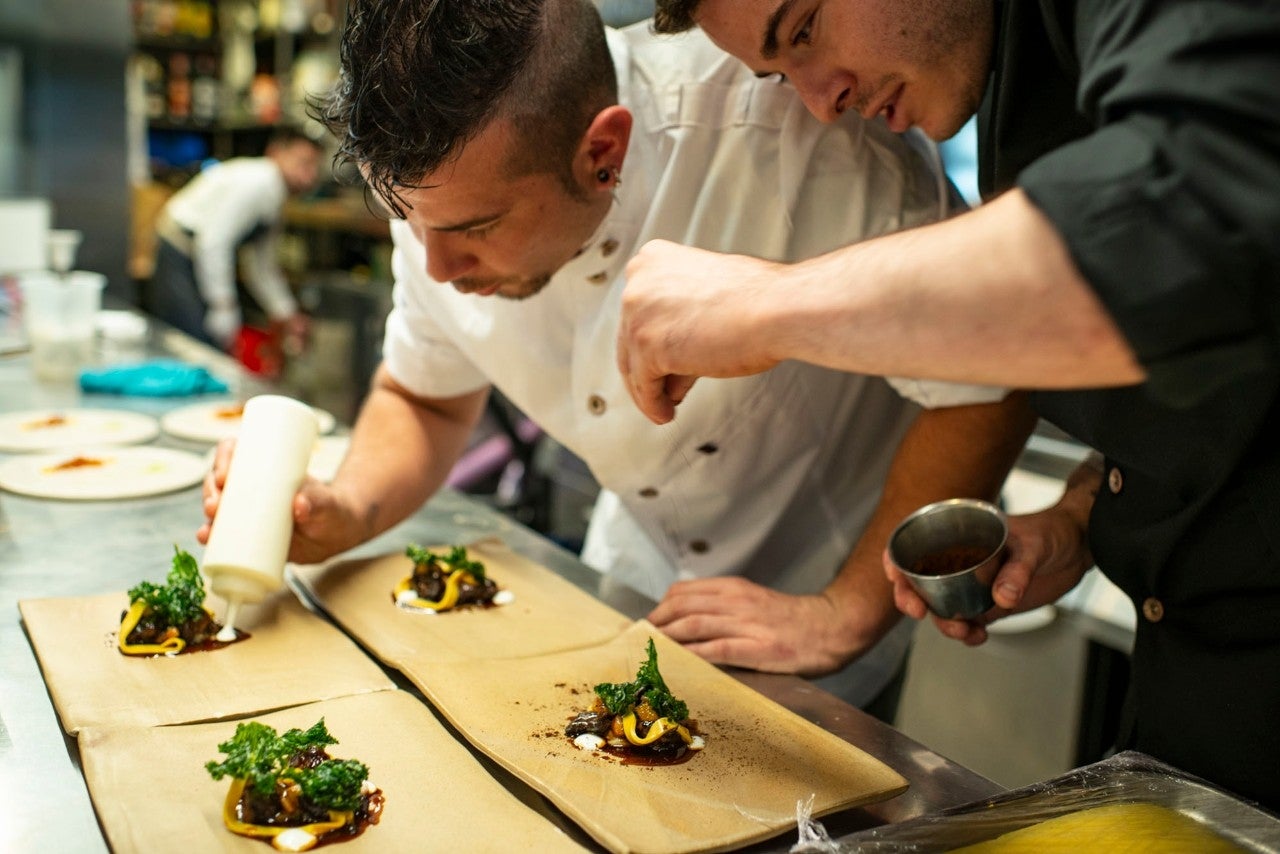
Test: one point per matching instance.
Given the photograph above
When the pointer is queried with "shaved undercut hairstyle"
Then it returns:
(419, 79)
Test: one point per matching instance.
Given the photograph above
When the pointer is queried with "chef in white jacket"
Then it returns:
(228, 208)
(755, 517)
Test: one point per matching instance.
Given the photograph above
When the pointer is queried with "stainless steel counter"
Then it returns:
(51, 548)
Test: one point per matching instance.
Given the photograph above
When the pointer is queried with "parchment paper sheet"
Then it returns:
(293, 657)
(153, 794)
(548, 615)
(759, 761)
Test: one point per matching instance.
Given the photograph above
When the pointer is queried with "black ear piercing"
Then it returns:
(609, 176)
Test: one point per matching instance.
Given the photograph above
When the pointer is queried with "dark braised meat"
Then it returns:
(595, 723)
(429, 579)
(152, 629)
(640, 721)
(284, 807)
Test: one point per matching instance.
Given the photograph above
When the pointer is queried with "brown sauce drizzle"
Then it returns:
(76, 463)
(368, 813)
(631, 755)
(213, 643)
(207, 645)
(42, 423)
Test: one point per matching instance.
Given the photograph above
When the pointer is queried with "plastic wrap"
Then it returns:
(1126, 778)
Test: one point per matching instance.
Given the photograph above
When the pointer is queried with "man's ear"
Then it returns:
(604, 146)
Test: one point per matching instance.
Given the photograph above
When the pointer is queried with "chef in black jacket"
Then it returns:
(1126, 264)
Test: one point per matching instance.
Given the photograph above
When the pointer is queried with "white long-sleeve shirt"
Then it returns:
(771, 477)
(224, 206)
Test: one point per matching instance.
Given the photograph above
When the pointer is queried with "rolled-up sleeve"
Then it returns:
(1171, 208)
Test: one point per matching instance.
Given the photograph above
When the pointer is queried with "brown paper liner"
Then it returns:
(759, 761)
(549, 614)
(152, 793)
(293, 657)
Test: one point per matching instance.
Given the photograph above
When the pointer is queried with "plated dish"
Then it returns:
(287, 789)
(359, 595)
(213, 421)
(49, 429)
(171, 618)
(759, 760)
(153, 793)
(443, 581)
(101, 473)
(292, 657)
(639, 721)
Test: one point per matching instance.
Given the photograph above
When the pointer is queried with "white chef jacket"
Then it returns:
(771, 477)
(222, 207)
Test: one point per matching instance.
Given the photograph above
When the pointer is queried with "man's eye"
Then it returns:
(804, 34)
(480, 230)
(776, 76)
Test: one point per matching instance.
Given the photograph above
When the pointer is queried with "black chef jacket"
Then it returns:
(1148, 132)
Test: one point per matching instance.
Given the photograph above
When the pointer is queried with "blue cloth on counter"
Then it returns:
(152, 379)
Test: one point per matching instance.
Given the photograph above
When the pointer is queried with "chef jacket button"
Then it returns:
(1153, 609)
(648, 492)
(699, 547)
(609, 247)
(708, 448)
(596, 405)
(1115, 481)
(598, 278)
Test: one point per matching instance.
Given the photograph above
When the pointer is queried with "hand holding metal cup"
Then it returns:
(950, 552)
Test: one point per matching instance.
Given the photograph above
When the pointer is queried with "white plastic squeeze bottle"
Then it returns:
(244, 559)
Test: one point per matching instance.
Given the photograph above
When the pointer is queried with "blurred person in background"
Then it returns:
(227, 208)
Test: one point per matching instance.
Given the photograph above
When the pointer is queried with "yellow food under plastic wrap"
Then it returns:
(1112, 829)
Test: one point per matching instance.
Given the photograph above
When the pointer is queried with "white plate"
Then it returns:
(216, 420)
(122, 473)
(48, 429)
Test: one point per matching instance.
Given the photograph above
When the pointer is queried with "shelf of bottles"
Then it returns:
(213, 77)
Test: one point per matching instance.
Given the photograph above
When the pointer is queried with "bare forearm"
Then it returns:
(402, 449)
(991, 297)
(964, 451)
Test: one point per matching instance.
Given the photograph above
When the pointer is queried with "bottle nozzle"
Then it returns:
(228, 631)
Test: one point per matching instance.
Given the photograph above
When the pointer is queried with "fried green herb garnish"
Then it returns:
(181, 598)
(260, 757)
(621, 697)
(456, 559)
(334, 785)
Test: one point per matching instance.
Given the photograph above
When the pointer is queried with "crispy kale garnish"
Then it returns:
(181, 598)
(454, 560)
(333, 785)
(257, 755)
(621, 697)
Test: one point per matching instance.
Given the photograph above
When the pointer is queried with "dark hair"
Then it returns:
(675, 16)
(287, 135)
(421, 78)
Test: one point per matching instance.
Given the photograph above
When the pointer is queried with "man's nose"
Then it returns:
(826, 94)
(446, 258)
